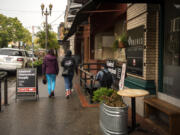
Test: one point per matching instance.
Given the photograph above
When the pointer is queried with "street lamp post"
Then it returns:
(46, 13)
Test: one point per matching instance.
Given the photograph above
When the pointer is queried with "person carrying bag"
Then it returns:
(50, 69)
(69, 65)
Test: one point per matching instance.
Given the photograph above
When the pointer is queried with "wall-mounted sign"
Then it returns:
(135, 50)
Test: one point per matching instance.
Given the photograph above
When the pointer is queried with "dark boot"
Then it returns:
(52, 93)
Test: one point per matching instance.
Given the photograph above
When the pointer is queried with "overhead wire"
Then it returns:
(57, 18)
(30, 11)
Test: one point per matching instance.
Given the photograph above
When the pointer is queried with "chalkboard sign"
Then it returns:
(135, 50)
(26, 82)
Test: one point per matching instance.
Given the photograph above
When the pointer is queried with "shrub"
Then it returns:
(99, 93)
(109, 97)
(36, 63)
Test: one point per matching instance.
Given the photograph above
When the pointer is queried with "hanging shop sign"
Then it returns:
(111, 66)
(135, 50)
(26, 84)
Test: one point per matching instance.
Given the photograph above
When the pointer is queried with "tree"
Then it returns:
(11, 29)
(52, 39)
(4, 34)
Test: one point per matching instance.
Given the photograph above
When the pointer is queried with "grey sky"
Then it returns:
(29, 11)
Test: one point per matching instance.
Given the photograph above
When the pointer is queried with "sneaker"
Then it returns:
(72, 90)
(67, 94)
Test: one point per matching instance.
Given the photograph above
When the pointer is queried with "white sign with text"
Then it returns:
(121, 82)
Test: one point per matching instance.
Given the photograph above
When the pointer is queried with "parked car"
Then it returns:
(11, 59)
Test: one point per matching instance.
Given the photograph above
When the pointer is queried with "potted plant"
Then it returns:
(113, 111)
(120, 41)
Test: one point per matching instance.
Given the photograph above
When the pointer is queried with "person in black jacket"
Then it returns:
(69, 65)
(104, 77)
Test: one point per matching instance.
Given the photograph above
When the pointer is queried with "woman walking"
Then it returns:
(50, 69)
(69, 66)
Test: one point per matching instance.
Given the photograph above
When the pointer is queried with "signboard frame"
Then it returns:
(23, 76)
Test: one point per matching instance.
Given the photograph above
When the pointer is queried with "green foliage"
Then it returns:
(11, 29)
(114, 100)
(36, 63)
(115, 45)
(52, 39)
(108, 96)
(120, 38)
(99, 93)
(123, 39)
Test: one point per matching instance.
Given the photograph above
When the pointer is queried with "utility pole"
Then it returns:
(46, 13)
(33, 45)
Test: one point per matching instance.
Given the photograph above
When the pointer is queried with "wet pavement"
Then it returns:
(58, 116)
(54, 116)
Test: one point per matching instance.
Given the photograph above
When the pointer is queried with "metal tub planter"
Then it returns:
(114, 120)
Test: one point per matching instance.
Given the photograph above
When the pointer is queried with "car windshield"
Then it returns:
(10, 52)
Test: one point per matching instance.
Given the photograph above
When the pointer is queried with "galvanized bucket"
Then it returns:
(114, 120)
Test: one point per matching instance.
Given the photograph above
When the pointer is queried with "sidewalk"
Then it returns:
(58, 116)
(55, 116)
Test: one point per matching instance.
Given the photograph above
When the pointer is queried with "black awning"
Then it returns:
(91, 5)
(81, 17)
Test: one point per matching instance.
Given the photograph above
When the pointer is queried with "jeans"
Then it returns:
(51, 80)
(68, 82)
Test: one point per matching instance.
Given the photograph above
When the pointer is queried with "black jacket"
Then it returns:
(69, 63)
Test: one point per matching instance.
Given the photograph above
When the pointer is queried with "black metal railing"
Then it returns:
(87, 77)
(3, 77)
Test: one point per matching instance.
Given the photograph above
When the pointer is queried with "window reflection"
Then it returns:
(171, 74)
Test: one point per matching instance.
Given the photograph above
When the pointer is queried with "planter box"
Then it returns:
(114, 120)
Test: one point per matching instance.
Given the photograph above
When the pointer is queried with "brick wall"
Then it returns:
(146, 14)
(151, 50)
(136, 16)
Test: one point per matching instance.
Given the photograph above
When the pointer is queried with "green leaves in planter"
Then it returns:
(121, 41)
(99, 93)
(114, 100)
(123, 38)
(108, 97)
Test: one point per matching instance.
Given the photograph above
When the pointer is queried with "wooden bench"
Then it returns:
(173, 113)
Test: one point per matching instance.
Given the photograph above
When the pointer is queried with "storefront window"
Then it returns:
(171, 75)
